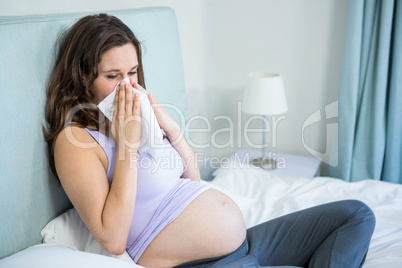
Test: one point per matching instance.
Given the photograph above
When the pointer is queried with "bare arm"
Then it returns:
(107, 212)
(177, 140)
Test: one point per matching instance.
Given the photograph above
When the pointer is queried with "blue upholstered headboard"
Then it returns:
(30, 196)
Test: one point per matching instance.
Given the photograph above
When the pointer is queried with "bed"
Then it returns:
(39, 227)
(261, 196)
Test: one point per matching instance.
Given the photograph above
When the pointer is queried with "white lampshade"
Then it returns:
(264, 94)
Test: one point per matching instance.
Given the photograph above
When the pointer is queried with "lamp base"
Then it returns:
(264, 163)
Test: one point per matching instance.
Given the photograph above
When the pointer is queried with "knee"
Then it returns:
(362, 213)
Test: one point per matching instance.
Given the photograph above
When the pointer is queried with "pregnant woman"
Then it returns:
(163, 216)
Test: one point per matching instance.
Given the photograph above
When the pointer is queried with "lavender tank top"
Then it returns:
(161, 194)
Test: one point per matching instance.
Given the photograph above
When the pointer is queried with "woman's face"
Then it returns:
(116, 64)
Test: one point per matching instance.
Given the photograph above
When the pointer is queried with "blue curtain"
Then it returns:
(370, 94)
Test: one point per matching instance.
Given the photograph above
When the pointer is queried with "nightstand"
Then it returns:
(287, 164)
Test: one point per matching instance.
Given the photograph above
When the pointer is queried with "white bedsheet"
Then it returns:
(262, 196)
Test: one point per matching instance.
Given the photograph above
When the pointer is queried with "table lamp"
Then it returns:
(264, 95)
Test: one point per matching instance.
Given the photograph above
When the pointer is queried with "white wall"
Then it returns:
(302, 40)
(223, 40)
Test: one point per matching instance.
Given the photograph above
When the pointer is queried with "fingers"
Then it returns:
(154, 103)
(150, 98)
(116, 104)
(126, 125)
(129, 99)
(137, 86)
(124, 103)
(136, 108)
(122, 100)
(137, 105)
(134, 84)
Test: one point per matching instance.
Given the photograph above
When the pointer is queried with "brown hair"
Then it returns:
(80, 52)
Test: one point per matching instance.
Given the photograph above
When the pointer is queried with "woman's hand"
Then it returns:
(172, 129)
(166, 122)
(126, 125)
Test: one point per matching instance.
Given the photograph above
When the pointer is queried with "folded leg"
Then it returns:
(331, 235)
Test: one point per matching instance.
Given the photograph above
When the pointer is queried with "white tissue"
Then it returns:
(151, 134)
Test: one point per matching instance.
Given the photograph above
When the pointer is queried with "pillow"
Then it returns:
(69, 231)
(51, 255)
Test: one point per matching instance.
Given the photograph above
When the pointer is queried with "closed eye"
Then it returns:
(111, 76)
(114, 73)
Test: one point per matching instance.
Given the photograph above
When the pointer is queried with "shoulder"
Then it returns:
(74, 143)
(77, 155)
(75, 137)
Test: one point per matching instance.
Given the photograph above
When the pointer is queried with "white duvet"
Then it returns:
(262, 196)
(259, 194)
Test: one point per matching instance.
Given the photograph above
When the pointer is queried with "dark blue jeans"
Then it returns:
(331, 235)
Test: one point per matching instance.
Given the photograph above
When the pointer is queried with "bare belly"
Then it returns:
(211, 226)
